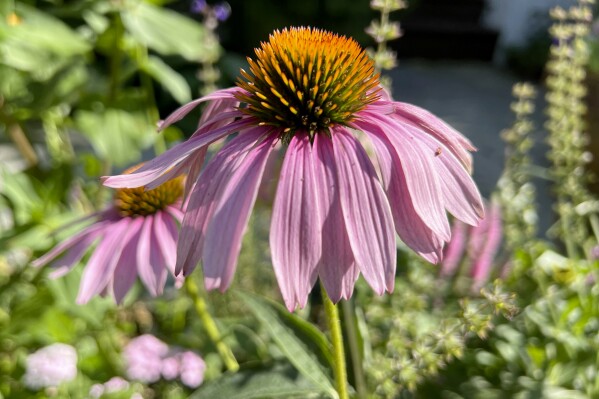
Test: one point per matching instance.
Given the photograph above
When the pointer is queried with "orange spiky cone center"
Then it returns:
(308, 79)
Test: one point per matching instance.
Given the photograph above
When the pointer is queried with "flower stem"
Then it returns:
(201, 308)
(355, 354)
(334, 325)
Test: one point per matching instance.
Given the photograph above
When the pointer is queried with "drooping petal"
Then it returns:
(215, 109)
(150, 264)
(366, 212)
(337, 267)
(166, 234)
(483, 260)
(65, 263)
(204, 198)
(460, 194)
(454, 251)
(125, 272)
(197, 162)
(225, 231)
(90, 231)
(423, 183)
(451, 138)
(295, 231)
(154, 168)
(183, 110)
(409, 225)
(101, 265)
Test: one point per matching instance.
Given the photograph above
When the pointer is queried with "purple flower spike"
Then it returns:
(199, 6)
(222, 11)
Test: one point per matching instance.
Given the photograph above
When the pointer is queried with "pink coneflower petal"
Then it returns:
(295, 232)
(225, 231)
(484, 259)
(150, 263)
(197, 162)
(204, 198)
(153, 169)
(337, 267)
(408, 224)
(101, 265)
(65, 263)
(183, 110)
(459, 145)
(125, 272)
(217, 108)
(454, 251)
(417, 163)
(366, 211)
(460, 195)
(165, 231)
(67, 244)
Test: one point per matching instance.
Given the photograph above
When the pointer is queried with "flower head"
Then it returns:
(137, 235)
(51, 366)
(335, 213)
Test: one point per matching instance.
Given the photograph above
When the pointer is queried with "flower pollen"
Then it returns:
(141, 202)
(308, 79)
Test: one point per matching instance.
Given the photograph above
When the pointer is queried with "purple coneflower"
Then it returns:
(477, 246)
(137, 235)
(315, 93)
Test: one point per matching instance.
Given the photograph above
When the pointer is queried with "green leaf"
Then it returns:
(116, 134)
(308, 330)
(166, 31)
(170, 79)
(280, 381)
(289, 344)
(40, 44)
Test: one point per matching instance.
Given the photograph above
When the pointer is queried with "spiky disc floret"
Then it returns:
(310, 79)
(138, 202)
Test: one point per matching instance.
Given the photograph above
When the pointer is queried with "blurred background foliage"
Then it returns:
(83, 84)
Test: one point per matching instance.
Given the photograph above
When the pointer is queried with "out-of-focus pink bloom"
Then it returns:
(115, 384)
(477, 246)
(595, 252)
(170, 367)
(137, 235)
(50, 366)
(143, 358)
(147, 359)
(312, 92)
(192, 369)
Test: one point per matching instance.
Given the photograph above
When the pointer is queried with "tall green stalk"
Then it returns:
(209, 325)
(334, 326)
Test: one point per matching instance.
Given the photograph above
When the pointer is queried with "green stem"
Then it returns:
(354, 348)
(334, 325)
(209, 324)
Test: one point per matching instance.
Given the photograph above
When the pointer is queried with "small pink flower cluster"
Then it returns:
(50, 366)
(148, 359)
(113, 385)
